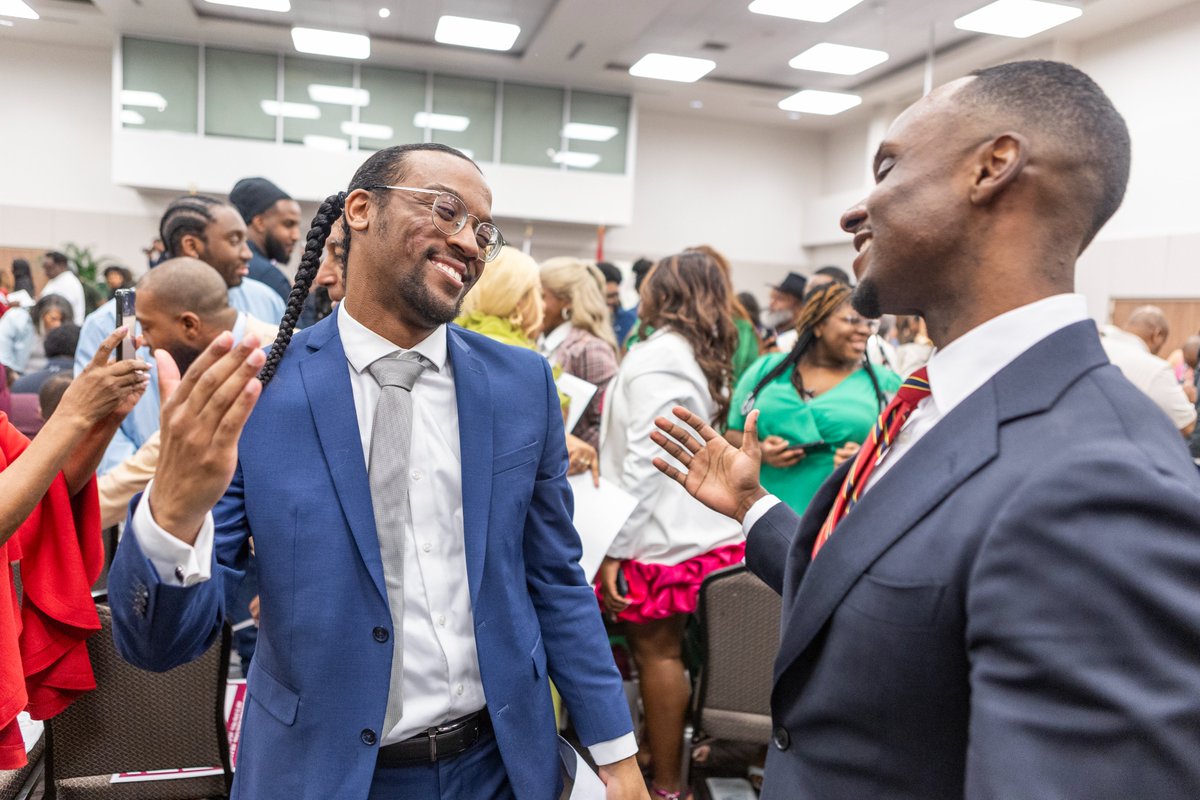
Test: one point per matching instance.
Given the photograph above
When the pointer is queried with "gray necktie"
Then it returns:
(391, 440)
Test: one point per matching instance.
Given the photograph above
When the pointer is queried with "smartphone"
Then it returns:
(126, 316)
(622, 583)
(809, 447)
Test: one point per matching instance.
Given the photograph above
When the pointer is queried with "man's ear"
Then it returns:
(191, 324)
(998, 163)
(191, 246)
(359, 205)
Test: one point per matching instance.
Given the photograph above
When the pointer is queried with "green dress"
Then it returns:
(843, 414)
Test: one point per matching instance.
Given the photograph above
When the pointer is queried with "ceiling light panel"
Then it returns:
(1018, 19)
(441, 122)
(811, 101)
(331, 144)
(577, 160)
(806, 10)
(18, 9)
(587, 132)
(338, 95)
(838, 59)
(255, 5)
(274, 108)
(365, 130)
(133, 97)
(331, 43)
(482, 33)
(663, 67)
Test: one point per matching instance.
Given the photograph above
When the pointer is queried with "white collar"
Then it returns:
(975, 357)
(239, 327)
(554, 339)
(364, 346)
(1115, 334)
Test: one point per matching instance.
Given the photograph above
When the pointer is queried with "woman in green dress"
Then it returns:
(816, 403)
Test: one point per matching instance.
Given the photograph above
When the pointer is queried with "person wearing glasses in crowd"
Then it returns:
(404, 481)
(817, 402)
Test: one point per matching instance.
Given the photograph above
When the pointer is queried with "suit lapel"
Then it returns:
(331, 401)
(473, 391)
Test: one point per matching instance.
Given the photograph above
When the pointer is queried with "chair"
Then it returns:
(739, 626)
(18, 784)
(136, 720)
(24, 414)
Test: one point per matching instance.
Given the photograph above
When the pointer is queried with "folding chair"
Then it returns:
(136, 720)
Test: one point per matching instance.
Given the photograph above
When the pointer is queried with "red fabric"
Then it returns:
(658, 591)
(44, 662)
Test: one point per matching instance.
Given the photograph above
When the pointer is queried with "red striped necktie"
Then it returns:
(914, 389)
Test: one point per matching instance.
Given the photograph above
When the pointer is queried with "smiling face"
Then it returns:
(842, 336)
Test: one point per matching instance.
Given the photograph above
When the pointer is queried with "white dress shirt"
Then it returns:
(964, 365)
(66, 284)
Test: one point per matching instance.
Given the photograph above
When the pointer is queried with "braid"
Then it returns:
(310, 262)
(186, 215)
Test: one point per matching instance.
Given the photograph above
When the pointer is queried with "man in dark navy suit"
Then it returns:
(997, 598)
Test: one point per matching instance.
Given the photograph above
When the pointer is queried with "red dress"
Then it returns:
(44, 662)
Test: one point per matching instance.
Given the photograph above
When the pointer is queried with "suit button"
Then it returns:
(367, 736)
(380, 634)
(781, 738)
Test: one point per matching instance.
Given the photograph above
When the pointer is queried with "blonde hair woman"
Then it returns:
(578, 335)
(506, 302)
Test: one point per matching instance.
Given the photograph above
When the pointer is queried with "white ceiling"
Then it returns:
(590, 43)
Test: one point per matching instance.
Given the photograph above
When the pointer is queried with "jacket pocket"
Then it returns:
(910, 604)
(277, 699)
(514, 458)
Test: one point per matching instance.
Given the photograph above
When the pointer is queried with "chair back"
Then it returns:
(18, 784)
(739, 625)
(24, 414)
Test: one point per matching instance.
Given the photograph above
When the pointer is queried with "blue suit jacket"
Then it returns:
(318, 684)
(1011, 612)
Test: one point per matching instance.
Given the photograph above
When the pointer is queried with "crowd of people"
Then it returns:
(370, 462)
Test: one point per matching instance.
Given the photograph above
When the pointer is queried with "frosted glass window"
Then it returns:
(531, 130)
(305, 117)
(160, 83)
(464, 115)
(600, 113)
(235, 84)
(396, 97)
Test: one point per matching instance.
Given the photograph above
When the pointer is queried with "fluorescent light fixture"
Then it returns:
(133, 97)
(365, 130)
(469, 32)
(578, 160)
(331, 43)
(1017, 18)
(441, 122)
(587, 132)
(274, 108)
(17, 8)
(338, 95)
(838, 59)
(256, 5)
(331, 144)
(131, 117)
(806, 10)
(811, 101)
(672, 68)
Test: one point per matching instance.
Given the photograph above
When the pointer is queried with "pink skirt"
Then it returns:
(658, 591)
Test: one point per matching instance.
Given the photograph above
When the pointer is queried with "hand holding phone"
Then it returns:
(125, 299)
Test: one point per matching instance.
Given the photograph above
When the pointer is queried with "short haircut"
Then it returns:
(62, 341)
(838, 274)
(57, 258)
(50, 395)
(611, 273)
(640, 269)
(1064, 104)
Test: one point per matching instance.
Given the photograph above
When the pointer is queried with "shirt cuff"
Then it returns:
(614, 750)
(758, 511)
(176, 562)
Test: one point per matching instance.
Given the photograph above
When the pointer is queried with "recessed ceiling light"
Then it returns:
(806, 10)
(131, 117)
(1017, 18)
(17, 8)
(672, 68)
(134, 97)
(331, 43)
(365, 130)
(811, 101)
(274, 108)
(338, 95)
(469, 32)
(587, 132)
(331, 144)
(384, 13)
(441, 122)
(256, 5)
(838, 59)
(577, 160)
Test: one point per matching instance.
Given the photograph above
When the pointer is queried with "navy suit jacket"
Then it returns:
(1012, 612)
(319, 680)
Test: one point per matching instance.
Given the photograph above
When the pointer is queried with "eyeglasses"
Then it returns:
(449, 215)
(855, 321)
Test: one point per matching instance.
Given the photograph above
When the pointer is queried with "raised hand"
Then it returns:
(102, 388)
(723, 477)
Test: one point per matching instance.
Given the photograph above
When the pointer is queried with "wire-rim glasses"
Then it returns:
(449, 215)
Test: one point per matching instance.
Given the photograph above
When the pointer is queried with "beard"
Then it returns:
(183, 356)
(865, 299)
(425, 303)
(275, 250)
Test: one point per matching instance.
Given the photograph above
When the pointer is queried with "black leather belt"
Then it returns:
(444, 741)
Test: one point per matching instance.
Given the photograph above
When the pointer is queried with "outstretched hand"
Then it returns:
(723, 477)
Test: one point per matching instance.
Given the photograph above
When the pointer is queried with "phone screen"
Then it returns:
(126, 316)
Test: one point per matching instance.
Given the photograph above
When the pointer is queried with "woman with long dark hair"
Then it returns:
(670, 543)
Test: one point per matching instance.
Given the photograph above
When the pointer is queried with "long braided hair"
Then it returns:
(383, 167)
(186, 215)
(819, 305)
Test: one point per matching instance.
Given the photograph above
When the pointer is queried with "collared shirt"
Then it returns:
(554, 340)
(66, 284)
(964, 365)
(258, 300)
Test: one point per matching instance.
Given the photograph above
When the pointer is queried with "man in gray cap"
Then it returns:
(272, 229)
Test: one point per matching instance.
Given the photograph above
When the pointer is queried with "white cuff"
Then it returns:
(614, 750)
(756, 512)
(176, 562)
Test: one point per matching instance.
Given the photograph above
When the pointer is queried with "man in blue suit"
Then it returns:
(1003, 603)
(408, 627)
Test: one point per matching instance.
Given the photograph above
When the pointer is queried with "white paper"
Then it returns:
(587, 784)
(599, 516)
(580, 393)
(31, 730)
